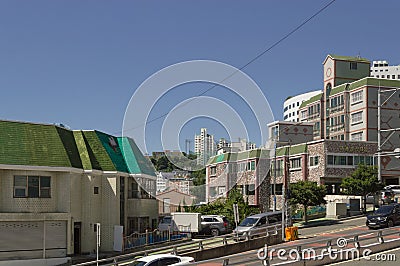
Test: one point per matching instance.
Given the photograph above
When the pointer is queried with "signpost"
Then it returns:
(236, 216)
(97, 242)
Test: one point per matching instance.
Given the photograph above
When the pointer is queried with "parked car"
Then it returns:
(161, 260)
(385, 216)
(394, 188)
(257, 224)
(214, 225)
(387, 197)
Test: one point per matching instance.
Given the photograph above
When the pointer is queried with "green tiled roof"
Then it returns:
(339, 89)
(292, 150)
(49, 145)
(134, 158)
(238, 156)
(311, 100)
(95, 146)
(374, 82)
(349, 58)
(37, 145)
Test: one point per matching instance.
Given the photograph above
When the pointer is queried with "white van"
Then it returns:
(257, 224)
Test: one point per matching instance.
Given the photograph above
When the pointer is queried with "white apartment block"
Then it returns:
(292, 104)
(381, 69)
(204, 146)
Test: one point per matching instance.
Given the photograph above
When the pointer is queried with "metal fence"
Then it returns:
(152, 237)
(182, 248)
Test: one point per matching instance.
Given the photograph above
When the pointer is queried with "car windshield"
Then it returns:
(166, 220)
(137, 263)
(248, 222)
(384, 209)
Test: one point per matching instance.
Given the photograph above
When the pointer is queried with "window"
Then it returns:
(213, 170)
(250, 189)
(32, 187)
(295, 163)
(393, 76)
(356, 117)
(96, 190)
(353, 65)
(279, 189)
(357, 136)
(357, 96)
(303, 114)
(298, 103)
(166, 205)
(314, 160)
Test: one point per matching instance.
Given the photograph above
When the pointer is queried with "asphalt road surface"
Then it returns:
(323, 233)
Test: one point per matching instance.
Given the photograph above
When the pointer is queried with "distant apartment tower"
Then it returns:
(204, 146)
(292, 104)
(381, 69)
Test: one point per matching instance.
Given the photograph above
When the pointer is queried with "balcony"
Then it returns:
(336, 109)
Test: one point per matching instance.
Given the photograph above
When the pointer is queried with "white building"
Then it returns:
(204, 146)
(292, 104)
(381, 69)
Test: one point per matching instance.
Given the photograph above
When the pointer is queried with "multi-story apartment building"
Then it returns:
(234, 146)
(325, 162)
(246, 171)
(56, 184)
(381, 69)
(292, 104)
(347, 109)
(204, 146)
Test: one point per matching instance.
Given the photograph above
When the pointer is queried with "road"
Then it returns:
(309, 237)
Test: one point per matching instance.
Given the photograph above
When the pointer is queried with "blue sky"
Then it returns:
(79, 62)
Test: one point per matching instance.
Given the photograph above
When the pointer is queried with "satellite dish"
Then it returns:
(397, 153)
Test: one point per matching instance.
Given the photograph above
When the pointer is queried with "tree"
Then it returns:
(306, 193)
(224, 206)
(361, 182)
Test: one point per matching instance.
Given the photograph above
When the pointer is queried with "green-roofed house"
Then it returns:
(57, 184)
(244, 170)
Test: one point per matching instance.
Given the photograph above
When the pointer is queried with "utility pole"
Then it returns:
(379, 135)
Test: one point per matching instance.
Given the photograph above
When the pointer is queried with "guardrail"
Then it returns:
(185, 248)
(151, 237)
(325, 251)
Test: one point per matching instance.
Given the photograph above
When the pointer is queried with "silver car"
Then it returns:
(257, 224)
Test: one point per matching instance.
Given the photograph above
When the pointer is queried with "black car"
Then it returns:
(385, 216)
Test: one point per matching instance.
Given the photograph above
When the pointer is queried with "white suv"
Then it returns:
(214, 225)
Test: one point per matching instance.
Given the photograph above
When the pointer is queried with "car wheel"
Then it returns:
(390, 223)
(214, 232)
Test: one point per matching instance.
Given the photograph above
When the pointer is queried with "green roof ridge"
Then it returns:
(311, 100)
(349, 58)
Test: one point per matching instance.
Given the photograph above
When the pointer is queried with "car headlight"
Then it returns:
(382, 218)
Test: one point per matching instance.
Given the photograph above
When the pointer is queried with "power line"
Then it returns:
(245, 65)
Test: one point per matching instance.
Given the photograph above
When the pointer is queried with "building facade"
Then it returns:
(204, 146)
(347, 109)
(246, 171)
(325, 162)
(381, 69)
(56, 184)
(292, 104)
